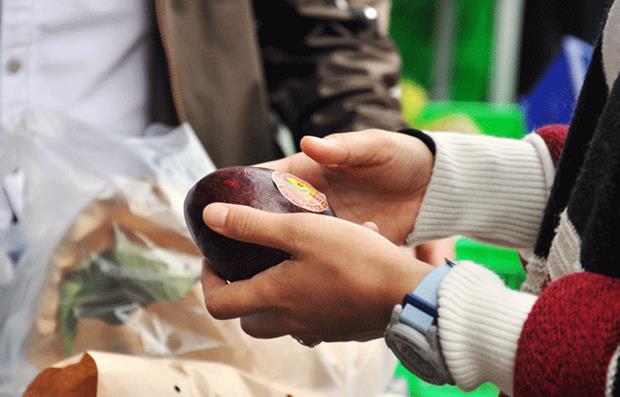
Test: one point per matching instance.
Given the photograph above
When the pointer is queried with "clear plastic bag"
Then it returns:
(8, 233)
(104, 240)
(109, 266)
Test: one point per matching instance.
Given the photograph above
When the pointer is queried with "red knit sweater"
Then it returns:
(570, 342)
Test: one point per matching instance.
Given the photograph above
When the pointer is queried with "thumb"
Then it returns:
(361, 148)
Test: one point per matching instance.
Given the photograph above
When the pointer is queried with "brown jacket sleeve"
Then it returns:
(329, 68)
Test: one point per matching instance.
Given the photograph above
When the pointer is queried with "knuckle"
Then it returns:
(384, 137)
(335, 135)
(296, 230)
(267, 293)
(253, 327)
(215, 309)
(275, 295)
(375, 134)
(389, 143)
(244, 225)
(323, 224)
(343, 138)
(289, 225)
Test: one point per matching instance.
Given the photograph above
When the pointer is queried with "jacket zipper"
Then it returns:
(172, 67)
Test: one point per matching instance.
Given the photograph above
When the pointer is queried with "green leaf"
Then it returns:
(147, 273)
(126, 274)
(66, 315)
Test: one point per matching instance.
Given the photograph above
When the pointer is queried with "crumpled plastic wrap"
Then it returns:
(108, 271)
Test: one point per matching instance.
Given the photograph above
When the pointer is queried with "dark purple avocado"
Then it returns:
(252, 186)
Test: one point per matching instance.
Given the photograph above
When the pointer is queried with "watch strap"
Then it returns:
(420, 306)
(419, 353)
(413, 334)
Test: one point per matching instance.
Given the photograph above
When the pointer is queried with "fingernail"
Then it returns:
(323, 141)
(215, 215)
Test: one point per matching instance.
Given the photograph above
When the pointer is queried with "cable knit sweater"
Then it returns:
(559, 335)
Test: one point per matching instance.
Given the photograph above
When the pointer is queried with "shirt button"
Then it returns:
(14, 66)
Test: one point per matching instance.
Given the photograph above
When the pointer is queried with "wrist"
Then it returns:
(411, 272)
(424, 138)
(412, 333)
(419, 160)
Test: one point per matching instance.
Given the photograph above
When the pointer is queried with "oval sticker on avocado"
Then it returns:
(299, 192)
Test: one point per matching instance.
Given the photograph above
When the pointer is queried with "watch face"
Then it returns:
(399, 345)
(414, 357)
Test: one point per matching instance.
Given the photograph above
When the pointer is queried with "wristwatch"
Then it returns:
(412, 333)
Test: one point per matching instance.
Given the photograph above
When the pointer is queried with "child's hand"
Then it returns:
(341, 284)
(369, 175)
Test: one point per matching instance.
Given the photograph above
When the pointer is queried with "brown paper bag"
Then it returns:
(97, 374)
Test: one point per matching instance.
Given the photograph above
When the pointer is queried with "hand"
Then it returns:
(369, 175)
(435, 252)
(341, 283)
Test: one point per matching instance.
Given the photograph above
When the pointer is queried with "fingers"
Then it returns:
(349, 149)
(296, 234)
(211, 282)
(253, 226)
(274, 324)
(265, 325)
(435, 252)
(307, 340)
(260, 317)
(209, 278)
(372, 226)
(225, 301)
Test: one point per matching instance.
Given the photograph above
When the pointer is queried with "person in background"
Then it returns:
(234, 70)
(317, 66)
(224, 67)
(554, 194)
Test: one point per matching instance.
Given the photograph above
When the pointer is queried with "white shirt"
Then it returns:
(84, 58)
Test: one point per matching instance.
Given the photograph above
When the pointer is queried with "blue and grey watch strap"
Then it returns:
(420, 306)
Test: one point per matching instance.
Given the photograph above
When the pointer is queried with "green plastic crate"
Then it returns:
(503, 261)
(506, 120)
(419, 388)
(412, 27)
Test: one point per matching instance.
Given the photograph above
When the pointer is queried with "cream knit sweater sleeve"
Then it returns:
(490, 189)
